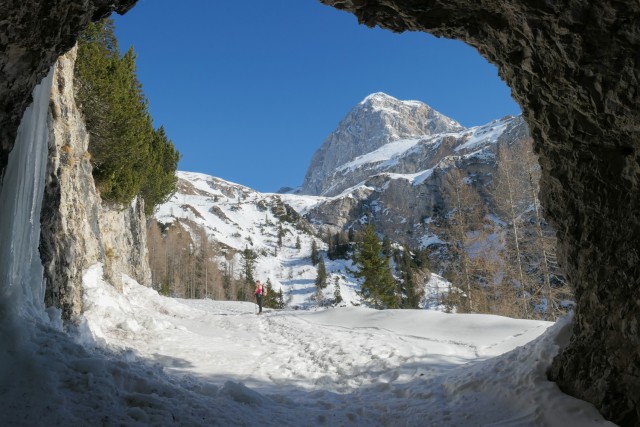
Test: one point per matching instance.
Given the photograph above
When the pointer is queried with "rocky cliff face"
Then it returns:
(376, 121)
(77, 229)
(573, 67)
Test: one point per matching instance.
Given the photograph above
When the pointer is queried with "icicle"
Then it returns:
(21, 271)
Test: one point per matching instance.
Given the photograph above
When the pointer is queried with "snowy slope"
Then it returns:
(140, 359)
(238, 217)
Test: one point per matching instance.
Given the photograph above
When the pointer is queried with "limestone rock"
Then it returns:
(403, 192)
(78, 230)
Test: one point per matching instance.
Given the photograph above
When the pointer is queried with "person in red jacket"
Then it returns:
(259, 293)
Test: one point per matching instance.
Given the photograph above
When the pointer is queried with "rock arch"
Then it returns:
(574, 67)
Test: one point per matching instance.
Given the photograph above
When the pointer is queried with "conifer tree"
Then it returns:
(128, 156)
(337, 296)
(411, 294)
(273, 299)
(315, 256)
(378, 286)
(280, 235)
(321, 278)
(248, 263)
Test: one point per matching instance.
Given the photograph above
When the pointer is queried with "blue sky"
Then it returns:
(248, 91)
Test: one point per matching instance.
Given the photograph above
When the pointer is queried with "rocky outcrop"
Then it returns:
(573, 67)
(33, 34)
(78, 230)
(376, 121)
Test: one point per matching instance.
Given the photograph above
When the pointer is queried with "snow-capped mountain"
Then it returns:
(387, 160)
(391, 170)
(375, 122)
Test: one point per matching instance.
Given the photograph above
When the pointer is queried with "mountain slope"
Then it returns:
(235, 218)
(400, 185)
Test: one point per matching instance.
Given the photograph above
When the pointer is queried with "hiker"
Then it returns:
(259, 293)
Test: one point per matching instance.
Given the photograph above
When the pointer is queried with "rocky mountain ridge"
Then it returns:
(375, 122)
(399, 183)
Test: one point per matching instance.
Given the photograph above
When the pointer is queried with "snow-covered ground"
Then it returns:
(138, 358)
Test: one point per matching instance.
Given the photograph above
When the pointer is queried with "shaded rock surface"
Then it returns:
(573, 66)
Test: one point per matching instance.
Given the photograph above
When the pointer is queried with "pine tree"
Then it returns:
(280, 235)
(321, 278)
(315, 256)
(378, 286)
(270, 299)
(298, 246)
(248, 265)
(128, 156)
(411, 293)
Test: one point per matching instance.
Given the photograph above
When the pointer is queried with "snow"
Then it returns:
(388, 154)
(480, 136)
(138, 358)
(476, 139)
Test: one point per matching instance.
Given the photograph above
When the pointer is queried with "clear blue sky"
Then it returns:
(247, 91)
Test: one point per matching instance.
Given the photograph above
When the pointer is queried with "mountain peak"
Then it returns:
(377, 120)
(378, 96)
(383, 98)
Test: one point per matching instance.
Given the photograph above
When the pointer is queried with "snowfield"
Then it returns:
(139, 359)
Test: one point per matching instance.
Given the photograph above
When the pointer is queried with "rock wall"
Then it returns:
(574, 67)
(78, 230)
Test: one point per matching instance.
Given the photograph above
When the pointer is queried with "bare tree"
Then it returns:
(531, 243)
(465, 232)
(511, 196)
